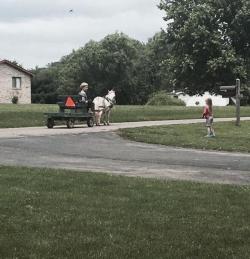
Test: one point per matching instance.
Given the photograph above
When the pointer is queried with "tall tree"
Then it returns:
(157, 51)
(210, 42)
(110, 63)
(45, 83)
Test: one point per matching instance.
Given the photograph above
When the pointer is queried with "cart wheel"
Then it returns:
(50, 123)
(90, 122)
(70, 124)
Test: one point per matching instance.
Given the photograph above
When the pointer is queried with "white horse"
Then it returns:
(103, 106)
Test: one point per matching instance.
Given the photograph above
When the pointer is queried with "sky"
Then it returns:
(38, 32)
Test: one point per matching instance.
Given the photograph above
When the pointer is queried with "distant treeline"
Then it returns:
(206, 44)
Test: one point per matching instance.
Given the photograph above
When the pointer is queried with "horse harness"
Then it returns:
(110, 101)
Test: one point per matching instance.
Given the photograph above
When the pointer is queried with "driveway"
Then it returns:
(42, 131)
(102, 150)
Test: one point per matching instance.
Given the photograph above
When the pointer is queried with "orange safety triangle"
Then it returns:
(70, 103)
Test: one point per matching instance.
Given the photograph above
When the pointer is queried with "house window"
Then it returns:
(16, 82)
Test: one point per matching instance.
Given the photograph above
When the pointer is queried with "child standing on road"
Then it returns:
(208, 115)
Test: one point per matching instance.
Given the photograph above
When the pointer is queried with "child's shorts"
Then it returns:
(209, 121)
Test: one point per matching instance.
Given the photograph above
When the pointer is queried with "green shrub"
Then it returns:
(162, 98)
(14, 99)
(245, 100)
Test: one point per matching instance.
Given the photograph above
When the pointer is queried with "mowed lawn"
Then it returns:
(32, 115)
(228, 136)
(63, 214)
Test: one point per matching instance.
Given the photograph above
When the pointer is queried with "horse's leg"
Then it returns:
(96, 118)
(100, 117)
(108, 116)
(106, 122)
(105, 117)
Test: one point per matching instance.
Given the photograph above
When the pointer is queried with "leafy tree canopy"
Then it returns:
(210, 42)
(206, 44)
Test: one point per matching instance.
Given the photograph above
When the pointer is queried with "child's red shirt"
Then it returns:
(207, 113)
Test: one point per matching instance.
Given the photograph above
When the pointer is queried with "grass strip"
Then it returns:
(62, 214)
(32, 115)
(228, 136)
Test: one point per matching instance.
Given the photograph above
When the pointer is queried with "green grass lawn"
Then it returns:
(32, 115)
(63, 214)
(228, 136)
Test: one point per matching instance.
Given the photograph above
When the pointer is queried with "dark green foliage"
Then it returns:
(245, 100)
(110, 63)
(45, 84)
(156, 52)
(127, 65)
(206, 44)
(210, 42)
(14, 99)
(162, 98)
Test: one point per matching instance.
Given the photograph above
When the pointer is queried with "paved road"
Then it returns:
(42, 131)
(107, 152)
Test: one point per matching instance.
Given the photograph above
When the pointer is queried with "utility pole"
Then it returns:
(238, 96)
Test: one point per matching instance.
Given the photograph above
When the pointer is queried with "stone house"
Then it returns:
(15, 81)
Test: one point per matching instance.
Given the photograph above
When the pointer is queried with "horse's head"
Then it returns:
(111, 96)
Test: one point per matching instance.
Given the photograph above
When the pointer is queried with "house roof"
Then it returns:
(6, 62)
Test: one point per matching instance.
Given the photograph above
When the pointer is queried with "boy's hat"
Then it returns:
(84, 84)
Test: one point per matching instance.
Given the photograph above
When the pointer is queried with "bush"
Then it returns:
(245, 100)
(43, 98)
(14, 99)
(162, 98)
